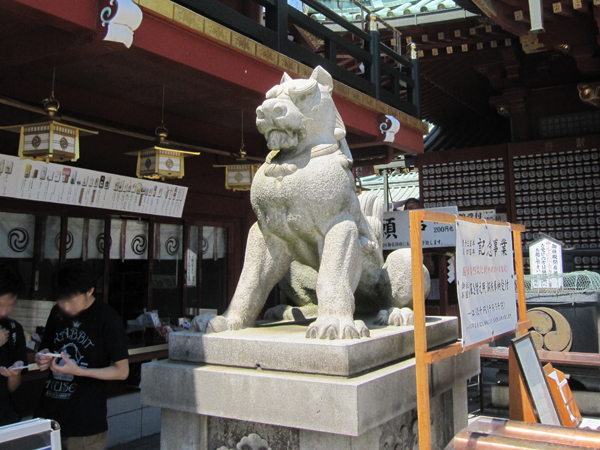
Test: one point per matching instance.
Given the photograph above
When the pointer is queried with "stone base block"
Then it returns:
(284, 347)
(186, 431)
(208, 407)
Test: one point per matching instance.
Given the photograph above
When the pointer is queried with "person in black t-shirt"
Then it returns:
(12, 344)
(90, 338)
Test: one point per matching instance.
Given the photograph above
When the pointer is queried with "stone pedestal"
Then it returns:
(270, 388)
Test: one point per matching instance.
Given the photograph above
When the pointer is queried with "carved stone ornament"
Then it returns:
(589, 93)
(251, 442)
(126, 19)
(389, 127)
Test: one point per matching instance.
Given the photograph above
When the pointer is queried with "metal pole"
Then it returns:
(374, 71)
(415, 92)
(386, 192)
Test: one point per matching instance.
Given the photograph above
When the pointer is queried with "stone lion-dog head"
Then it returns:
(299, 115)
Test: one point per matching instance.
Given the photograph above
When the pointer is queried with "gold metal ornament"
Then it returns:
(49, 139)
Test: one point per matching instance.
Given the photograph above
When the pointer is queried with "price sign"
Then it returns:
(396, 230)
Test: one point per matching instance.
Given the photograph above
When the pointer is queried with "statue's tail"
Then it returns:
(372, 209)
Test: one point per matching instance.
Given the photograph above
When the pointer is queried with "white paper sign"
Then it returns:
(192, 268)
(55, 183)
(486, 214)
(485, 281)
(396, 230)
(545, 257)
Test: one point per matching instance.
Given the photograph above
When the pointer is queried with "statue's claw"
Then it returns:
(277, 312)
(211, 323)
(331, 327)
(382, 317)
(397, 317)
(222, 323)
(401, 317)
(200, 322)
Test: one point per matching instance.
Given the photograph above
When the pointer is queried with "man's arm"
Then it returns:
(18, 357)
(13, 374)
(116, 371)
(14, 381)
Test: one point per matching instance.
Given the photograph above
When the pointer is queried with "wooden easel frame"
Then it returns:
(423, 357)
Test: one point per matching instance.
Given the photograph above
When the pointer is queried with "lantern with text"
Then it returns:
(162, 160)
(49, 140)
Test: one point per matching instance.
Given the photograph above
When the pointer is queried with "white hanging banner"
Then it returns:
(213, 243)
(95, 240)
(485, 281)
(136, 240)
(75, 238)
(74, 244)
(17, 235)
(170, 240)
(52, 243)
(115, 238)
(56, 183)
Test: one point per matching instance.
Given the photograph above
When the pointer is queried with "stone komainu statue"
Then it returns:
(314, 236)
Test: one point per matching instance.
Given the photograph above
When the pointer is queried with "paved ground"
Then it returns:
(148, 443)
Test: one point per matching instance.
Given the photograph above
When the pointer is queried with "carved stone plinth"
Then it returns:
(219, 407)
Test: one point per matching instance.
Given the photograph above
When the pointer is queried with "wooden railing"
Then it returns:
(388, 76)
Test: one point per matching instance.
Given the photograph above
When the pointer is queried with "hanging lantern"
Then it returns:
(239, 177)
(162, 160)
(49, 140)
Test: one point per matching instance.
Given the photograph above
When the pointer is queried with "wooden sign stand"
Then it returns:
(563, 397)
(422, 356)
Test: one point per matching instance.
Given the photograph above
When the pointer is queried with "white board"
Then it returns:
(485, 281)
(396, 230)
(545, 257)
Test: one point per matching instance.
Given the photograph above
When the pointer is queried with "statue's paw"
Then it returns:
(201, 322)
(222, 323)
(332, 327)
(298, 313)
(400, 317)
(277, 312)
(382, 317)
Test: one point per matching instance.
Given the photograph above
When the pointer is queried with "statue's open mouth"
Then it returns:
(282, 139)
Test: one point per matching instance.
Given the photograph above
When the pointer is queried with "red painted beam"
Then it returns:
(71, 15)
(165, 39)
(167, 42)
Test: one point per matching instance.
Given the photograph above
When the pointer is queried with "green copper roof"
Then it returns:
(386, 9)
(402, 186)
